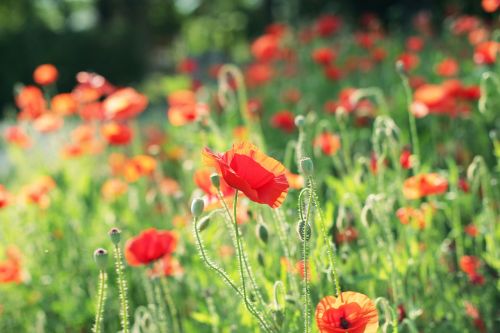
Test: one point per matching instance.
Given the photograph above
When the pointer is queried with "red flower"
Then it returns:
(447, 67)
(265, 48)
(31, 102)
(149, 246)
(328, 143)
(490, 6)
(258, 74)
(17, 136)
(323, 55)
(116, 134)
(405, 159)
(183, 108)
(327, 25)
(124, 104)
(261, 178)
(4, 197)
(10, 269)
(423, 185)
(486, 53)
(64, 104)
(470, 264)
(187, 66)
(350, 313)
(45, 74)
(410, 61)
(414, 44)
(284, 120)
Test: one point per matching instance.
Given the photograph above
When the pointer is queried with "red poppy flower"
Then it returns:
(414, 44)
(328, 143)
(113, 188)
(284, 120)
(332, 73)
(116, 134)
(17, 136)
(124, 104)
(350, 313)
(265, 48)
(423, 185)
(149, 246)
(486, 53)
(323, 56)
(410, 215)
(490, 6)
(410, 61)
(202, 180)
(64, 104)
(244, 167)
(327, 25)
(10, 269)
(469, 264)
(92, 111)
(4, 197)
(45, 74)
(31, 102)
(139, 166)
(448, 67)
(405, 159)
(48, 122)
(258, 74)
(348, 235)
(187, 66)
(365, 40)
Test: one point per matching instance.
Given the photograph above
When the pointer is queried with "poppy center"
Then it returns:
(344, 323)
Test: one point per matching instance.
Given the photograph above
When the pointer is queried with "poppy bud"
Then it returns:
(300, 121)
(278, 316)
(203, 224)
(101, 258)
(262, 233)
(304, 230)
(115, 235)
(215, 179)
(307, 166)
(260, 259)
(400, 67)
(197, 207)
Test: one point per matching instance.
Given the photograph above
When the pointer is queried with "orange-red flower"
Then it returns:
(48, 122)
(149, 246)
(64, 104)
(448, 67)
(244, 167)
(183, 108)
(410, 215)
(352, 312)
(414, 44)
(124, 104)
(485, 53)
(423, 185)
(328, 143)
(258, 74)
(38, 191)
(323, 56)
(4, 197)
(138, 166)
(405, 159)
(113, 188)
(266, 48)
(45, 74)
(31, 102)
(116, 133)
(10, 269)
(187, 66)
(490, 6)
(17, 136)
(327, 25)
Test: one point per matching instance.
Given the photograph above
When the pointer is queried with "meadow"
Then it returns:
(342, 180)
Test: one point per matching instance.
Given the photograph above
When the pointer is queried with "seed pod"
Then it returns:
(300, 121)
(260, 259)
(203, 223)
(115, 236)
(197, 207)
(262, 233)
(215, 179)
(400, 67)
(307, 166)
(101, 258)
(304, 230)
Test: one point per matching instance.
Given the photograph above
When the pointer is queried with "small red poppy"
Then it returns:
(45, 74)
(244, 167)
(284, 120)
(116, 134)
(149, 246)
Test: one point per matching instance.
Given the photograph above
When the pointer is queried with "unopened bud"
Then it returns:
(400, 67)
(197, 207)
(215, 179)
(262, 233)
(203, 224)
(300, 121)
(101, 258)
(260, 259)
(304, 230)
(279, 317)
(307, 166)
(115, 235)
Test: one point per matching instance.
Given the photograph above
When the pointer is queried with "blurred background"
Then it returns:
(127, 40)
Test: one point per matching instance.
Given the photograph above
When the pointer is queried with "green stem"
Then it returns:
(101, 298)
(413, 124)
(122, 288)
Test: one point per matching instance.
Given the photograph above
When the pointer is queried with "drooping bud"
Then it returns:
(304, 230)
(115, 235)
(307, 166)
(215, 179)
(203, 223)
(260, 259)
(101, 258)
(279, 317)
(262, 233)
(197, 207)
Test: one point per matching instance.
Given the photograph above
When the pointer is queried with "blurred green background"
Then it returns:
(126, 40)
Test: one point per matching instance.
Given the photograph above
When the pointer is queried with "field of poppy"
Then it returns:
(342, 180)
